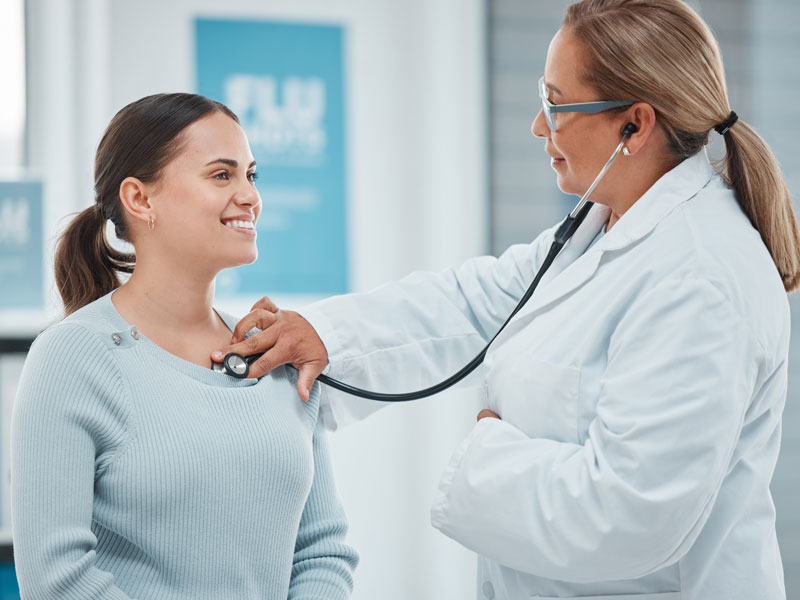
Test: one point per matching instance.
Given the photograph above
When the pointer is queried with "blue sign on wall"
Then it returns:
(285, 82)
(9, 589)
(21, 245)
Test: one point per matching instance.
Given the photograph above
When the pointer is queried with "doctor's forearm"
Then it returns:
(472, 300)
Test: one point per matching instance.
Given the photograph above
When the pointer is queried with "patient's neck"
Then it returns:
(163, 297)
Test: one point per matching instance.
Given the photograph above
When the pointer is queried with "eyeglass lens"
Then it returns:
(548, 116)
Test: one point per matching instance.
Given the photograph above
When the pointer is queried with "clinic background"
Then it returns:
(437, 164)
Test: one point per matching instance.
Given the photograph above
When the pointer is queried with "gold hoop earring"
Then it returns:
(625, 151)
(151, 224)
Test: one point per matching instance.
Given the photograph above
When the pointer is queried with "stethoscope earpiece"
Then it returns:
(629, 130)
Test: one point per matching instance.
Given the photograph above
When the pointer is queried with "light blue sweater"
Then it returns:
(136, 474)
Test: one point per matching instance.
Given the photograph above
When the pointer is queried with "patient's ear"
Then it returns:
(134, 195)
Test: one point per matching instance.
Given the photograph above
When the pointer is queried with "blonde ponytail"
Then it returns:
(661, 52)
(753, 172)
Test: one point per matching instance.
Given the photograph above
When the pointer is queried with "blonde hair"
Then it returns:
(661, 52)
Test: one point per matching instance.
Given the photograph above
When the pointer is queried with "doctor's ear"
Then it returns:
(134, 195)
(640, 122)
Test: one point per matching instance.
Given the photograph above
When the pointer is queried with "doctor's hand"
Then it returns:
(487, 414)
(285, 337)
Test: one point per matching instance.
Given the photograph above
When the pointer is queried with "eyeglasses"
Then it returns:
(550, 110)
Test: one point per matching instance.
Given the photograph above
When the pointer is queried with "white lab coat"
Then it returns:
(640, 391)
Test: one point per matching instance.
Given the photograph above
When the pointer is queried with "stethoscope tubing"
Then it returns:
(558, 243)
(238, 366)
(456, 377)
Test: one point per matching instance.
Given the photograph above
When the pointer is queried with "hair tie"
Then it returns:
(101, 211)
(723, 127)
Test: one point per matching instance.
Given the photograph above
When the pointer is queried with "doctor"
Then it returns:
(633, 407)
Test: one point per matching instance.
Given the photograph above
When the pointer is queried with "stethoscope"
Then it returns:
(238, 366)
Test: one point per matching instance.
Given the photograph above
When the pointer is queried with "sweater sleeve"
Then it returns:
(323, 563)
(69, 422)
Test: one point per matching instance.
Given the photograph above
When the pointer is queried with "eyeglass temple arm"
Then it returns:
(588, 107)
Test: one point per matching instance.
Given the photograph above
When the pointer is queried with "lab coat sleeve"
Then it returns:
(633, 498)
(323, 563)
(412, 333)
(67, 426)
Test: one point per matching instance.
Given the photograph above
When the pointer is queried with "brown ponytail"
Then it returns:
(86, 264)
(140, 140)
(661, 52)
(752, 171)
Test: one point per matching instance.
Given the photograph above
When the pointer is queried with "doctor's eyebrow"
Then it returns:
(233, 164)
(553, 89)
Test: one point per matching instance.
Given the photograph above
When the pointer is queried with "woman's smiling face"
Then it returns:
(206, 201)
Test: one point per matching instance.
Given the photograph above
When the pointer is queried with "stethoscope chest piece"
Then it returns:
(235, 365)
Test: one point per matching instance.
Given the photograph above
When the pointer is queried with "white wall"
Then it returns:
(12, 71)
(417, 200)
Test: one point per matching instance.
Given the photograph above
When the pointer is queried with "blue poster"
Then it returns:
(9, 589)
(285, 83)
(21, 245)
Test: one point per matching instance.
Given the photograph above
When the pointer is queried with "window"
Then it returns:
(12, 71)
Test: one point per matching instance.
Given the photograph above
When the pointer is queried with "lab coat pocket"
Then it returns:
(537, 397)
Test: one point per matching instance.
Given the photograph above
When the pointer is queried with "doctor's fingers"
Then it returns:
(293, 340)
(266, 304)
(282, 353)
(260, 318)
(306, 377)
(260, 342)
(271, 359)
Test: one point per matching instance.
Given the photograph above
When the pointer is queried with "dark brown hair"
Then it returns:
(661, 52)
(138, 142)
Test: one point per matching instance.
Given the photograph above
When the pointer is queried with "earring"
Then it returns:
(625, 151)
(151, 223)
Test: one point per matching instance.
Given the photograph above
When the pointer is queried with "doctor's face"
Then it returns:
(583, 142)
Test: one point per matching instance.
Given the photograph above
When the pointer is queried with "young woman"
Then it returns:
(633, 407)
(137, 470)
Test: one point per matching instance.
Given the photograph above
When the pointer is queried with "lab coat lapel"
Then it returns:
(569, 270)
(673, 189)
(574, 266)
(575, 247)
